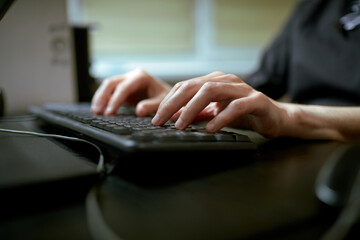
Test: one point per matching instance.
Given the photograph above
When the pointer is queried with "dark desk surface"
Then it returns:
(265, 194)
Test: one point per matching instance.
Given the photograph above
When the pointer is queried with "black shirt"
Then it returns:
(313, 58)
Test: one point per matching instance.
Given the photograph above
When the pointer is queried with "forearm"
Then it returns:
(321, 122)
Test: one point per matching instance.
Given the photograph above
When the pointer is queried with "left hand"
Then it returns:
(224, 99)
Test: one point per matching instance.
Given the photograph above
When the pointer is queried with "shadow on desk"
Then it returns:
(266, 194)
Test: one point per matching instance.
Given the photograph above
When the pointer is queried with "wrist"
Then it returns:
(309, 122)
(290, 116)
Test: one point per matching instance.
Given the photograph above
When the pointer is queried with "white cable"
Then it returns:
(100, 166)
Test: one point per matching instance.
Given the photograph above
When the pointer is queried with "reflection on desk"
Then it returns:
(268, 196)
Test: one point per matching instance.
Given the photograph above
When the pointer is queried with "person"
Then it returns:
(314, 59)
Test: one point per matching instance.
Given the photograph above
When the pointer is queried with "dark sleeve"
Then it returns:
(272, 74)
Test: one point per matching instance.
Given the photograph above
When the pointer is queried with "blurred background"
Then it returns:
(58, 50)
(172, 38)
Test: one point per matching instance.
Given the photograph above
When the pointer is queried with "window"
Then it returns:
(175, 39)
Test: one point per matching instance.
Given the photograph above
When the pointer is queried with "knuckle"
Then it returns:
(187, 85)
(178, 84)
(140, 71)
(107, 81)
(231, 77)
(210, 87)
(245, 87)
(111, 80)
(259, 96)
(217, 73)
(236, 105)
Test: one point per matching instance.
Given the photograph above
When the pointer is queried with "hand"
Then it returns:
(224, 99)
(135, 88)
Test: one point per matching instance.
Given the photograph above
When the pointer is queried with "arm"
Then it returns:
(322, 122)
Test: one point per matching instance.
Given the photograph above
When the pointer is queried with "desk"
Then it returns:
(265, 194)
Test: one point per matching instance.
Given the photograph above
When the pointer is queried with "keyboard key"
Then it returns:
(224, 137)
(121, 130)
(142, 136)
(165, 137)
(241, 138)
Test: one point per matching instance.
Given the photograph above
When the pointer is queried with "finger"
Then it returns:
(184, 91)
(235, 109)
(103, 94)
(196, 81)
(171, 92)
(121, 93)
(175, 117)
(148, 106)
(168, 108)
(210, 92)
(207, 113)
(212, 77)
(179, 95)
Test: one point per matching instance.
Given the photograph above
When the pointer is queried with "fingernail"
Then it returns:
(108, 110)
(155, 119)
(95, 108)
(179, 124)
(211, 127)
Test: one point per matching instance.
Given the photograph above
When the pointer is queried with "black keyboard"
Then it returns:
(128, 133)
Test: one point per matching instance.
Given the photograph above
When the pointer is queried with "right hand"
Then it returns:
(135, 88)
